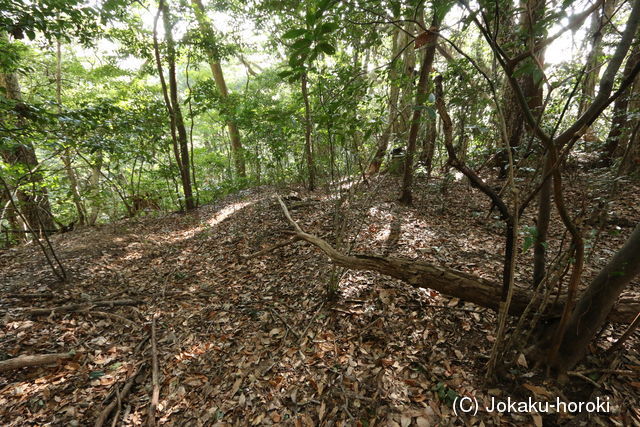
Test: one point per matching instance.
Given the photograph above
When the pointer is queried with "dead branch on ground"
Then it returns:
(34, 360)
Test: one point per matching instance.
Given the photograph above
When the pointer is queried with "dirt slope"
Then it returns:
(257, 341)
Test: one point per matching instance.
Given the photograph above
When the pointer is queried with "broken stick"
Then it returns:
(155, 375)
(34, 360)
(80, 307)
(104, 415)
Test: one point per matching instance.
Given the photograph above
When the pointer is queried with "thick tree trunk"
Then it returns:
(218, 77)
(421, 98)
(308, 144)
(532, 89)
(597, 301)
(33, 197)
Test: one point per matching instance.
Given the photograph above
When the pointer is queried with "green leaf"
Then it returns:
(324, 4)
(301, 43)
(311, 19)
(285, 73)
(292, 34)
(328, 27)
(95, 375)
(327, 48)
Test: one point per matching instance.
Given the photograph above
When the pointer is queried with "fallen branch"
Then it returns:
(34, 360)
(80, 307)
(155, 375)
(483, 292)
(106, 315)
(271, 248)
(122, 394)
(625, 335)
(304, 333)
(584, 378)
(31, 295)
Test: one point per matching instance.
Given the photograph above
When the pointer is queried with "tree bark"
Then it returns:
(597, 301)
(599, 20)
(65, 156)
(394, 93)
(532, 89)
(33, 360)
(421, 98)
(542, 224)
(308, 143)
(619, 131)
(34, 202)
(218, 76)
(179, 132)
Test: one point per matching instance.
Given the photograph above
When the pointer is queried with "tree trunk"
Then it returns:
(597, 301)
(421, 97)
(599, 20)
(619, 131)
(394, 93)
(542, 224)
(34, 201)
(214, 62)
(179, 132)
(94, 181)
(308, 143)
(532, 89)
(66, 157)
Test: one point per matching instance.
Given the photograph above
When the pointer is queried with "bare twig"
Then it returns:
(123, 394)
(276, 315)
(155, 375)
(304, 333)
(271, 248)
(80, 307)
(583, 377)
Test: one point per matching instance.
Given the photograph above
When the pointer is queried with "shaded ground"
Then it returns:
(257, 341)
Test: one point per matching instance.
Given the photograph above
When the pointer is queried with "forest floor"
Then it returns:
(256, 341)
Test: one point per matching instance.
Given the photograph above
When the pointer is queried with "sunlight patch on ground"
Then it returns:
(225, 212)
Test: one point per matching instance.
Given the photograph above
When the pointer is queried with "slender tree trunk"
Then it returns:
(218, 76)
(624, 111)
(94, 181)
(394, 93)
(596, 302)
(308, 143)
(66, 157)
(407, 95)
(542, 224)
(421, 97)
(599, 20)
(178, 129)
(619, 131)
